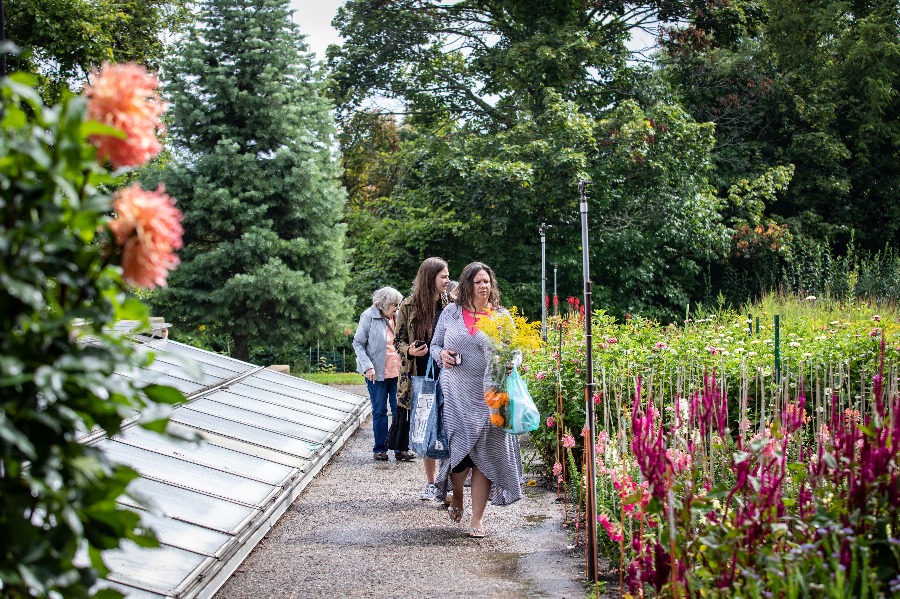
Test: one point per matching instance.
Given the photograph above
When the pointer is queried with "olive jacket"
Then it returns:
(406, 326)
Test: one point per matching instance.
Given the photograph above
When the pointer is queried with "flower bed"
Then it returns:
(720, 470)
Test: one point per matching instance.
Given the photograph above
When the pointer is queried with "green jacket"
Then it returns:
(403, 338)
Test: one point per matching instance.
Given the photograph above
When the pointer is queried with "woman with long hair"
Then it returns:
(416, 319)
(476, 446)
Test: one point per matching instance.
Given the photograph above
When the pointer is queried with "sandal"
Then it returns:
(456, 513)
(476, 533)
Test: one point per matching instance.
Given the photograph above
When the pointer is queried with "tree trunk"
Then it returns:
(241, 350)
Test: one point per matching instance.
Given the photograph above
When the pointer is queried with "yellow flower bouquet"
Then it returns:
(509, 334)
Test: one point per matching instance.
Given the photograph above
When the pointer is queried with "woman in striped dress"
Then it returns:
(492, 455)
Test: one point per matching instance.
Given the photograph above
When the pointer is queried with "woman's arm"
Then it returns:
(360, 340)
(402, 340)
(437, 340)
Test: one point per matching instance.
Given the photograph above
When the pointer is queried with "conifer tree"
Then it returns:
(256, 174)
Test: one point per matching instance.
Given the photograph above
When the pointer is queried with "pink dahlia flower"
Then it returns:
(125, 96)
(148, 229)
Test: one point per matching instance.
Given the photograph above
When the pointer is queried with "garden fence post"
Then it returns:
(590, 509)
(777, 350)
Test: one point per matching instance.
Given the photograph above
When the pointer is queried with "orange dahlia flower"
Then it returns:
(148, 229)
(125, 96)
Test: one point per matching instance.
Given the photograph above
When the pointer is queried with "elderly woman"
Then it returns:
(377, 359)
(476, 445)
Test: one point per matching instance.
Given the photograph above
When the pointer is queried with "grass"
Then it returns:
(333, 378)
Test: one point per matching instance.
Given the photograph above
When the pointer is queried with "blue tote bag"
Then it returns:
(426, 432)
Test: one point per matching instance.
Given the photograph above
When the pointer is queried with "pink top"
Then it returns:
(391, 358)
(471, 319)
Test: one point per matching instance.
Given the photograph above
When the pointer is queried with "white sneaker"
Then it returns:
(428, 493)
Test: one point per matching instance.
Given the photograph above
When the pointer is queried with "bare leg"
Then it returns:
(458, 479)
(481, 489)
(430, 469)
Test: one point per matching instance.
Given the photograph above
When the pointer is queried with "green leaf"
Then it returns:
(97, 128)
(164, 394)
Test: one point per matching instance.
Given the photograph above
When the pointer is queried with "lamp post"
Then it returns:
(543, 231)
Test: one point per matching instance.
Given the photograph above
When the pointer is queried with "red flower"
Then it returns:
(148, 229)
(124, 96)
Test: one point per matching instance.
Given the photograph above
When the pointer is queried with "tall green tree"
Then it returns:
(62, 40)
(509, 104)
(812, 84)
(257, 177)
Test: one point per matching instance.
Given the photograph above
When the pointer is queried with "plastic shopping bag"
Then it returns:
(523, 415)
(426, 433)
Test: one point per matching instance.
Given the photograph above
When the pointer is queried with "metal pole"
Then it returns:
(555, 297)
(2, 39)
(590, 514)
(543, 231)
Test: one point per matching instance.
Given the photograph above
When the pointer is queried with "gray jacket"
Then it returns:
(370, 342)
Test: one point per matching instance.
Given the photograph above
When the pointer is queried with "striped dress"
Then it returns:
(467, 417)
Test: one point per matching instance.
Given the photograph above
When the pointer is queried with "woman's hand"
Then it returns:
(370, 374)
(416, 351)
(448, 358)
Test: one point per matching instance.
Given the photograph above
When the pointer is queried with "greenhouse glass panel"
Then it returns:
(243, 432)
(285, 427)
(209, 455)
(190, 476)
(190, 506)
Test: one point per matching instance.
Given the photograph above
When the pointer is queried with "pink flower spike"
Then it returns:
(125, 96)
(148, 230)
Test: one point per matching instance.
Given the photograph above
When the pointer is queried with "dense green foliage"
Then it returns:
(62, 40)
(508, 107)
(767, 137)
(61, 292)
(815, 85)
(256, 178)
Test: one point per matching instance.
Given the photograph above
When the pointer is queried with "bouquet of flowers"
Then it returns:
(508, 334)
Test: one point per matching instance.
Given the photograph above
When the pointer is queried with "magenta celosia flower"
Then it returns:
(611, 529)
(148, 230)
(125, 96)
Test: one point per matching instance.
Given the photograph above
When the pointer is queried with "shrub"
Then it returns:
(64, 268)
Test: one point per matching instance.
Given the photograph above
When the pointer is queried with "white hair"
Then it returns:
(386, 296)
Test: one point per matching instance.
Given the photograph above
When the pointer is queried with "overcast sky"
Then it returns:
(314, 19)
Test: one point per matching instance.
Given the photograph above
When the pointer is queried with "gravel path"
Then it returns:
(360, 530)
